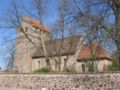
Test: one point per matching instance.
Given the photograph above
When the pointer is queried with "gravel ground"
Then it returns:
(2, 88)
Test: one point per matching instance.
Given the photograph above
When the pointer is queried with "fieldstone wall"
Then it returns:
(62, 81)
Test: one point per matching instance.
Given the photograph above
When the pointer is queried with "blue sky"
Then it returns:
(4, 6)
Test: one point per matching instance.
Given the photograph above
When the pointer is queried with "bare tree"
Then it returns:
(62, 29)
(14, 18)
(10, 56)
(98, 15)
(99, 20)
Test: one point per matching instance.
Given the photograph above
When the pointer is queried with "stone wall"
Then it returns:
(62, 81)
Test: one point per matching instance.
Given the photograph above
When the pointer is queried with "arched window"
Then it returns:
(65, 62)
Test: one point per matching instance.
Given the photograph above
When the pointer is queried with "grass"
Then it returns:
(41, 70)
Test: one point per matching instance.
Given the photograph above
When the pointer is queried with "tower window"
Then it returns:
(26, 28)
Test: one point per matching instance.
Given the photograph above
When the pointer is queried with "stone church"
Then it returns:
(34, 44)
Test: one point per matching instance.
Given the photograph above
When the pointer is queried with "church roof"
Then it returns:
(89, 51)
(60, 46)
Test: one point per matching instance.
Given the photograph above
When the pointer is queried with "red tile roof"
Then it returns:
(88, 51)
(35, 23)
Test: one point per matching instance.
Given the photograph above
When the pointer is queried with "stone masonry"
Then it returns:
(105, 81)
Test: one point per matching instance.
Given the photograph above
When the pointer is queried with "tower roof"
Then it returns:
(35, 23)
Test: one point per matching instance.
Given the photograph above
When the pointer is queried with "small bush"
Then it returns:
(90, 67)
(115, 66)
(41, 70)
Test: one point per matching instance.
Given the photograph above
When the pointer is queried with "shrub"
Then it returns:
(115, 66)
(41, 70)
(90, 67)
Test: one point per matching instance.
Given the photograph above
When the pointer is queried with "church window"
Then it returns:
(83, 67)
(38, 63)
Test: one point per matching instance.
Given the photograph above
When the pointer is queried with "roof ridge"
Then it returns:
(67, 37)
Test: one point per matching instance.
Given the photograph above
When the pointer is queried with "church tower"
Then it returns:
(28, 40)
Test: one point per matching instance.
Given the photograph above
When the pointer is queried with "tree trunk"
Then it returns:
(117, 29)
(48, 65)
(117, 25)
(45, 52)
(59, 63)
